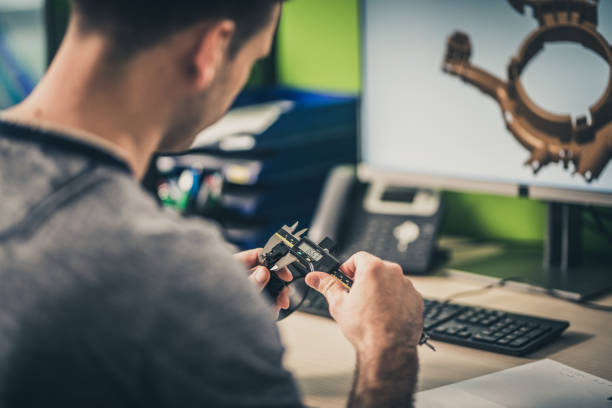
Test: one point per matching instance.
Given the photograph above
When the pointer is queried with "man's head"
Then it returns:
(203, 49)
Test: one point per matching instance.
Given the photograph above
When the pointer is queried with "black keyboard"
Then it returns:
(476, 327)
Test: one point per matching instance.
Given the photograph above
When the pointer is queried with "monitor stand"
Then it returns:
(568, 269)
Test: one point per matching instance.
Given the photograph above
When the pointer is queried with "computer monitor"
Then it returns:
(22, 49)
(510, 97)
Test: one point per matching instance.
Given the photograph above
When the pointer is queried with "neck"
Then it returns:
(118, 108)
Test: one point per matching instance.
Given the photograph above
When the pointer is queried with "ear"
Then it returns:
(211, 51)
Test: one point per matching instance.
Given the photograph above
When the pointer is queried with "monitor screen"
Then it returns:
(418, 120)
(22, 48)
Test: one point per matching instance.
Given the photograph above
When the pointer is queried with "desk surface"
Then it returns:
(323, 361)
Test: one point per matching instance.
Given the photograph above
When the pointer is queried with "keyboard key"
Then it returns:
(523, 330)
(445, 315)
(489, 321)
(497, 326)
(429, 324)
(463, 333)
(521, 341)
(512, 336)
(440, 329)
(534, 333)
(483, 338)
(537, 333)
(452, 331)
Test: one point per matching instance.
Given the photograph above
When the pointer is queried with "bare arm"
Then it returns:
(385, 380)
(382, 317)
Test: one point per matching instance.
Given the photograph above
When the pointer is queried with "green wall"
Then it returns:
(318, 48)
(318, 45)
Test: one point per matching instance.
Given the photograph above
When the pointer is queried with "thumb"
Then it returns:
(260, 277)
(327, 285)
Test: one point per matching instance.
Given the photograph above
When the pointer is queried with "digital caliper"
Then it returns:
(285, 248)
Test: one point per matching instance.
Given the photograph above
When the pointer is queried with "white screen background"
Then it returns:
(419, 120)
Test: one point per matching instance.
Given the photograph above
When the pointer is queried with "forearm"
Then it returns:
(385, 379)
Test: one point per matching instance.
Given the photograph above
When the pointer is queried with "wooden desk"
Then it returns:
(323, 361)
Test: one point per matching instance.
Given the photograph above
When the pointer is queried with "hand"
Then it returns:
(382, 316)
(382, 311)
(260, 276)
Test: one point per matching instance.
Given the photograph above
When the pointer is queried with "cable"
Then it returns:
(473, 292)
(549, 292)
(285, 313)
(304, 296)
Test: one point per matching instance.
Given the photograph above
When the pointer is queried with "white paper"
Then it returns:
(542, 384)
(248, 120)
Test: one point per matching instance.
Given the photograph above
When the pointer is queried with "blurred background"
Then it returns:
(317, 51)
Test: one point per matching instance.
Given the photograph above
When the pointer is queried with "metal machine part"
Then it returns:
(585, 142)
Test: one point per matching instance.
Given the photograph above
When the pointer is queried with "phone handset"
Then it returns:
(333, 203)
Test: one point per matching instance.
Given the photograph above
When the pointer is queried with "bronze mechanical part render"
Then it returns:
(585, 142)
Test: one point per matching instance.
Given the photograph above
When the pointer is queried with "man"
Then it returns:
(107, 300)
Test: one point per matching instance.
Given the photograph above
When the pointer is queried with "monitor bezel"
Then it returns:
(367, 172)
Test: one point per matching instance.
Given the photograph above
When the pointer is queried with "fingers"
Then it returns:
(328, 286)
(249, 258)
(283, 300)
(260, 277)
(393, 267)
(275, 312)
(360, 261)
(284, 274)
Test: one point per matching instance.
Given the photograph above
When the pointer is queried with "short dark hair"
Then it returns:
(137, 24)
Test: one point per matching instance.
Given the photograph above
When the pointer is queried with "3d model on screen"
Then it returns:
(585, 142)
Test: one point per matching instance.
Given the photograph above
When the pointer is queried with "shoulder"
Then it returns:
(180, 268)
(140, 286)
(207, 314)
(123, 224)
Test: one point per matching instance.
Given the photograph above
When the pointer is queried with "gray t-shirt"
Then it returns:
(108, 300)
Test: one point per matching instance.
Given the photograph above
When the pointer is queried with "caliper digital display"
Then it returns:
(310, 251)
